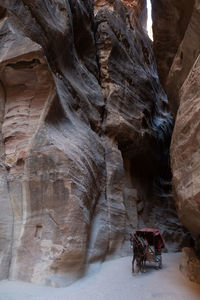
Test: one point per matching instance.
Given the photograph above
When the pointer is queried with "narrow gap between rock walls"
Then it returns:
(149, 20)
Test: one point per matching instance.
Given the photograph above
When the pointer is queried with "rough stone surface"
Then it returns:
(185, 152)
(190, 265)
(170, 21)
(176, 43)
(184, 59)
(178, 67)
(85, 134)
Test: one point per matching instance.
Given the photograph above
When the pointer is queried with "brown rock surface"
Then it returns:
(6, 215)
(176, 43)
(190, 265)
(184, 59)
(170, 21)
(181, 82)
(185, 152)
(85, 132)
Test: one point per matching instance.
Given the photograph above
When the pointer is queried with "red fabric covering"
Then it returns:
(155, 232)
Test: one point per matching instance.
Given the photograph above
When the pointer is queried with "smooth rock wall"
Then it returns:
(185, 152)
(182, 84)
(176, 43)
(170, 21)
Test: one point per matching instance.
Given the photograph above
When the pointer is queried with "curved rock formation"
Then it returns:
(85, 133)
(181, 81)
(182, 85)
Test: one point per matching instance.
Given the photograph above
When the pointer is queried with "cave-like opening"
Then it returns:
(148, 192)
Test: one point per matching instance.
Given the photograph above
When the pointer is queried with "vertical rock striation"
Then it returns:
(85, 136)
(170, 21)
(176, 43)
(181, 81)
(185, 152)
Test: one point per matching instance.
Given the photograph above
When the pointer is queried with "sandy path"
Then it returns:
(113, 281)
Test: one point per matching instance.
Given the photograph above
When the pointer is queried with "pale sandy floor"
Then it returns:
(113, 281)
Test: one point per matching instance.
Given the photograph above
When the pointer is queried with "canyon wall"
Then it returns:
(182, 83)
(85, 136)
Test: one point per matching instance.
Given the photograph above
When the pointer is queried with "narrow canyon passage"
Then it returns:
(99, 133)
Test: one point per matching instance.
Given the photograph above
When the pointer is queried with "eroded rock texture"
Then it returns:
(177, 44)
(190, 265)
(185, 152)
(85, 136)
(170, 21)
(182, 84)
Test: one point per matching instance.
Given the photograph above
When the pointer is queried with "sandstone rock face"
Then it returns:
(182, 86)
(190, 265)
(185, 58)
(85, 136)
(177, 43)
(181, 81)
(185, 152)
(170, 21)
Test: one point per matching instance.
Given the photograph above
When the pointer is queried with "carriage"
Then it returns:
(155, 244)
(147, 246)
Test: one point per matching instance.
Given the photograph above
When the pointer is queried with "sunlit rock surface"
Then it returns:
(85, 134)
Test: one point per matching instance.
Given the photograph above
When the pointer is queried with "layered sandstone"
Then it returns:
(85, 136)
(176, 43)
(182, 86)
(170, 21)
(185, 152)
(181, 81)
(190, 265)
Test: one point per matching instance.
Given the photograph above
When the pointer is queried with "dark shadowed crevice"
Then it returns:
(2, 12)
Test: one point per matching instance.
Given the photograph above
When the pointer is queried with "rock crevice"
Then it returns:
(181, 82)
(85, 132)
